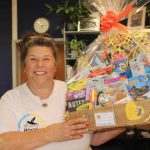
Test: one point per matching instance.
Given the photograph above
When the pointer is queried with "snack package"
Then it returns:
(115, 89)
(93, 89)
(116, 70)
(139, 87)
(137, 66)
(76, 94)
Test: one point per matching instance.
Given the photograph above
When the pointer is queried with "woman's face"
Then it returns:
(40, 65)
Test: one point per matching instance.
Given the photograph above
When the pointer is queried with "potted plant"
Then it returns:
(77, 47)
(70, 13)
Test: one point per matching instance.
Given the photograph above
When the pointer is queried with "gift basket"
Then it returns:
(110, 86)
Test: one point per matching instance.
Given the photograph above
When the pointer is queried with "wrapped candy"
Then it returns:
(116, 67)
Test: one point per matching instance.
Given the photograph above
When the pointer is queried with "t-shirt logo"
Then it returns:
(30, 122)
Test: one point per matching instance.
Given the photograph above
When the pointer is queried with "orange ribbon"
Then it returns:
(112, 20)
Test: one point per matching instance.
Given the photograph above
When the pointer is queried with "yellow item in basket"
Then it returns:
(77, 85)
(133, 112)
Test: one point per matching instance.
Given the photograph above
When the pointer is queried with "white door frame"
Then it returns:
(14, 40)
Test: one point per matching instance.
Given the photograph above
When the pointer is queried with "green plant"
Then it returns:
(83, 12)
(77, 45)
(70, 13)
(66, 10)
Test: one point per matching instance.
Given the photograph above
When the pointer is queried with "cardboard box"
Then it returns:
(131, 114)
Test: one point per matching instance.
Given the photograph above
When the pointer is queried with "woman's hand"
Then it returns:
(69, 130)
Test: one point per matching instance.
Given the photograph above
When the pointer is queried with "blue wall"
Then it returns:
(29, 10)
(5, 46)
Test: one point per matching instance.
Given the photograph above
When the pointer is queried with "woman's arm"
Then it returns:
(69, 130)
(23, 140)
(99, 138)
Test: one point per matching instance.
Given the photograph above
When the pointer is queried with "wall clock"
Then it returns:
(41, 25)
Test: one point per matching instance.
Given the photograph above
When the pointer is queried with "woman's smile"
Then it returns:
(39, 73)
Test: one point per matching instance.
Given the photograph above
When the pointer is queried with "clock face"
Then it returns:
(41, 25)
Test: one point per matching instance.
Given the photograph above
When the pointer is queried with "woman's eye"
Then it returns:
(46, 58)
(33, 59)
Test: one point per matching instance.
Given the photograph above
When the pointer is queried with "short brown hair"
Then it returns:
(34, 39)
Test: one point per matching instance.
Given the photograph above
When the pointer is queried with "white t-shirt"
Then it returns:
(20, 110)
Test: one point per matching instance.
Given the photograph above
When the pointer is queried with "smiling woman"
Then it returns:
(39, 59)
(39, 104)
(40, 68)
(60, 74)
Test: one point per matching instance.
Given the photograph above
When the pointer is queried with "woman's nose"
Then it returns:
(40, 63)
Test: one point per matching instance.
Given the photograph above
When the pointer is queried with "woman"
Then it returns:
(32, 114)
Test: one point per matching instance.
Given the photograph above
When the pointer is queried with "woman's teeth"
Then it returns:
(40, 73)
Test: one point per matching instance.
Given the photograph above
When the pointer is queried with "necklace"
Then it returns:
(44, 105)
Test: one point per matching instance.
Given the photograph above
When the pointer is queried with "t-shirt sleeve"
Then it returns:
(8, 121)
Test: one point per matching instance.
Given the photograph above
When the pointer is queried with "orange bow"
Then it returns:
(112, 20)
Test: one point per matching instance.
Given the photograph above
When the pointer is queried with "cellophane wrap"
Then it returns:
(114, 70)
